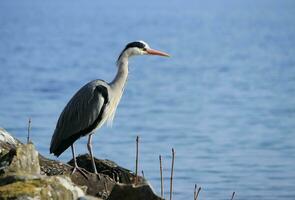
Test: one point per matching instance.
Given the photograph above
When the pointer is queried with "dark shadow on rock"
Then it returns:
(131, 192)
(108, 168)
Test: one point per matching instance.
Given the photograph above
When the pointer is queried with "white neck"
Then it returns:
(121, 77)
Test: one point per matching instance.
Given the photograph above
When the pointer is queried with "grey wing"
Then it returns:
(81, 115)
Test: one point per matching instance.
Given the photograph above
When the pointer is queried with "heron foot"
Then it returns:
(76, 168)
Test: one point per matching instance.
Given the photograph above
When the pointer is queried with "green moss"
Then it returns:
(27, 188)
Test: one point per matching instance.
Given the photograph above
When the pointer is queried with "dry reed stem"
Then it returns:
(161, 175)
(136, 161)
(196, 197)
(195, 191)
(29, 130)
(232, 197)
(171, 177)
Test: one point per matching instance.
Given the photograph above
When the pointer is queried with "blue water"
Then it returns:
(225, 100)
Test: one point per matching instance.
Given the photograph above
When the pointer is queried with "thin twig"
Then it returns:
(171, 178)
(232, 197)
(29, 130)
(161, 175)
(195, 191)
(136, 161)
(196, 197)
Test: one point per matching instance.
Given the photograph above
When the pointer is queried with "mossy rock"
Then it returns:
(54, 188)
(25, 161)
(20, 189)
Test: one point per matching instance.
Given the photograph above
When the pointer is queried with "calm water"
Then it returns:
(225, 100)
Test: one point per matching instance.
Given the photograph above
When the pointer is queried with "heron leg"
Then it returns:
(76, 168)
(89, 146)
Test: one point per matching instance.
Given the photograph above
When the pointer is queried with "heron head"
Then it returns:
(140, 48)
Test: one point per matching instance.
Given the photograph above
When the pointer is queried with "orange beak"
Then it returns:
(156, 52)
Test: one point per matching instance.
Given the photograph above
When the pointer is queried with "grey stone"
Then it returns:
(25, 161)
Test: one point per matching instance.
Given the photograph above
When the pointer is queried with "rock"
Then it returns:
(6, 138)
(25, 161)
(19, 164)
(20, 176)
(87, 197)
(100, 186)
(25, 174)
(97, 185)
(74, 191)
(55, 187)
(108, 168)
(132, 192)
(7, 142)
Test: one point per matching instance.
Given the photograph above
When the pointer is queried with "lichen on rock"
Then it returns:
(55, 187)
(25, 161)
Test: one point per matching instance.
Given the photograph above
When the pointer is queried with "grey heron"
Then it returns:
(94, 104)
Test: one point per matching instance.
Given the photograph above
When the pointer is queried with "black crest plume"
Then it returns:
(131, 45)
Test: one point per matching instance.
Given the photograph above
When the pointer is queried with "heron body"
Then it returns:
(85, 112)
(94, 104)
